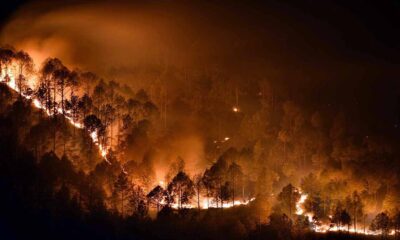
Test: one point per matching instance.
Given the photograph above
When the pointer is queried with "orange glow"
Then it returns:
(328, 227)
(12, 72)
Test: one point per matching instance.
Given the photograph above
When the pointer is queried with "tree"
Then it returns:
(313, 204)
(336, 218)
(41, 94)
(396, 223)
(108, 111)
(236, 174)
(121, 187)
(345, 219)
(213, 179)
(288, 198)
(381, 222)
(207, 183)
(85, 105)
(182, 188)
(302, 223)
(49, 82)
(137, 201)
(6, 56)
(198, 184)
(355, 206)
(226, 192)
(73, 82)
(72, 107)
(156, 196)
(61, 75)
(88, 79)
(93, 125)
(99, 97)
(25, 64)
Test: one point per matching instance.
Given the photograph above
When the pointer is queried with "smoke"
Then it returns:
(132, 41)
(111, 40)
(307, 61)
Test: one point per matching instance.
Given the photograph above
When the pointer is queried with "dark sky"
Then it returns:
(8, 7)
(366, 27)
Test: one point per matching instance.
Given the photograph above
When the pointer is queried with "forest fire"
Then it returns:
(174, 192)
(325, 227)
(199, 119)
(299, 204)
(11, 73)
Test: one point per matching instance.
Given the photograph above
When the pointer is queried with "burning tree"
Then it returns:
(182, 188)
(213, 180)
(121, 188)
(6, 56)
(25, 64)
(137, 201)
(156, 196)
(236, 177)
(381, 222)
(198, 185)
(288, 198)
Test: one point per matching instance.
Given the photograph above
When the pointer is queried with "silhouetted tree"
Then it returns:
(198, 185)
(61, 75)
(396, 223)
(381, 222)
(121, 188)
(182, 188)
(156, 196)
(288, 198)
(345, 219)
(137, 201)
(25, 64)
(93, 125)
(235, 173)
(6, 56)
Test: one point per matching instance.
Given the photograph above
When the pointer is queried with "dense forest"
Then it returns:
(92, 158)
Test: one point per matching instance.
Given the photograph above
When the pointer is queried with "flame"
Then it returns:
(206, 203)
(10, 72)
(328, 227)
(299, 204)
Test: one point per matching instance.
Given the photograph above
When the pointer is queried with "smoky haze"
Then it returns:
(276, 93)
(323, 57)
(307, 47)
